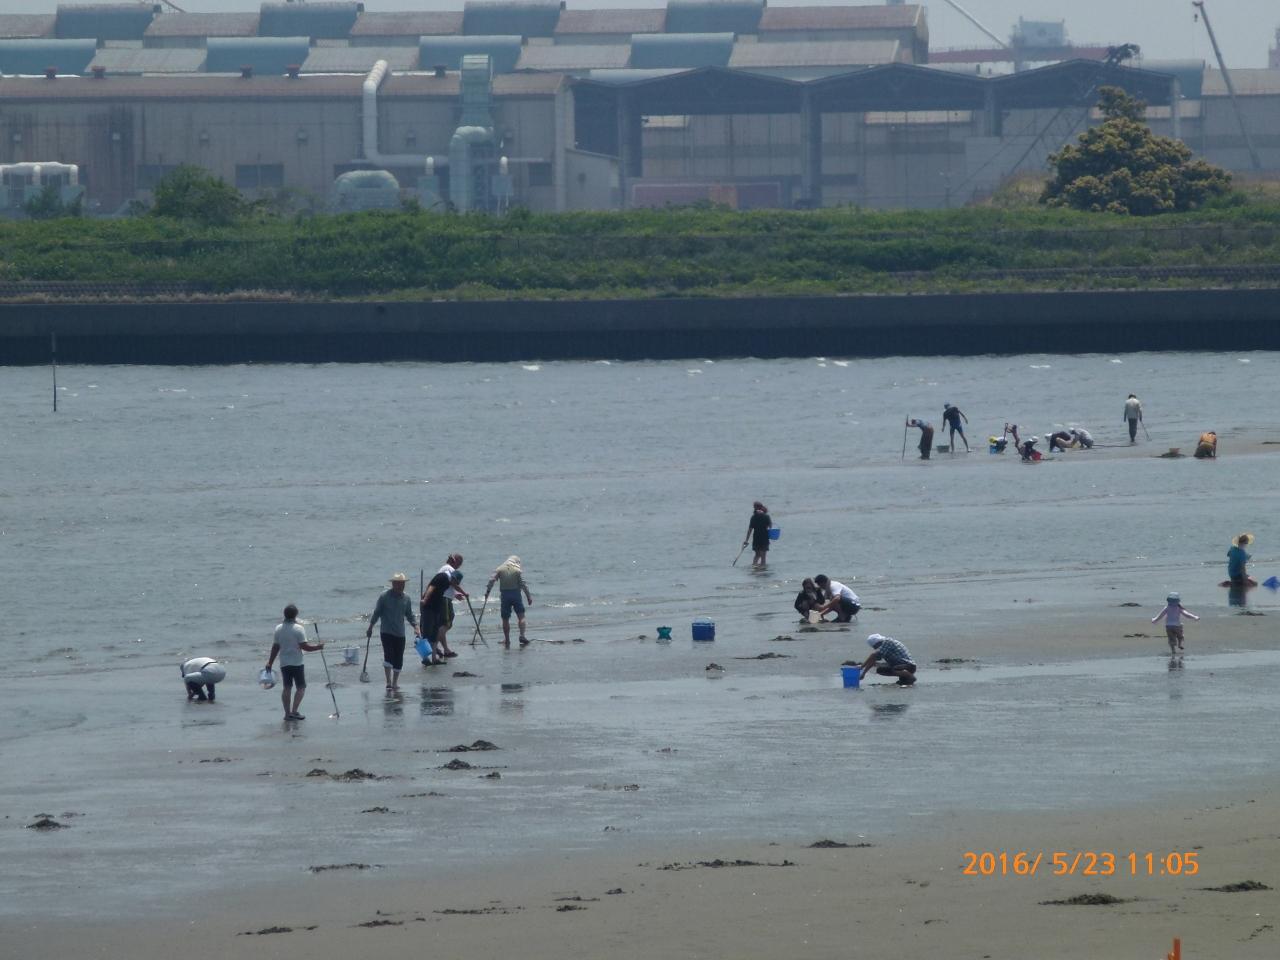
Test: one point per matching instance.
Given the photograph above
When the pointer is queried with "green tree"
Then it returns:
(191, 193)
(48, 205)
(1120, 166)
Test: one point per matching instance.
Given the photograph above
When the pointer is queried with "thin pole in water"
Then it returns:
(53, 344)
(904, 439)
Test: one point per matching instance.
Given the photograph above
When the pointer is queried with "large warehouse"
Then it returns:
(534, 103)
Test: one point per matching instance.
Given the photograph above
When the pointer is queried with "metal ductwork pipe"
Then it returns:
(369, 126)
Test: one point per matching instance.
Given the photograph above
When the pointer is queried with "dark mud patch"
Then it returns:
(837, 845)
(477, 745)
(624, 787)
(44, 823)
(355, 774)
(783, 638)
(465, 673)
(615, 892)
(955, 660)
(719, 864)
(456, 764)
(377, 810)
(1244, 886)
(1130, 603)
(478, 912)
(414, 796)
(1250, 613)
(492, 776)
(767, 656)
(714, 668)
(381, 923)
(1136, 636)
(1086, 900)
(576, 899)
(267, 931)
(325, 868)
(567, 907)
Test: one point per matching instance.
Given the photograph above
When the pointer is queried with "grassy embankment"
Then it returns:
(655, 253)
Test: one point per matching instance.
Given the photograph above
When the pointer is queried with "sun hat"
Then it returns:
(456, 576)
(399, 578)
(1244, 540)
(1174, 598)
(875, 639)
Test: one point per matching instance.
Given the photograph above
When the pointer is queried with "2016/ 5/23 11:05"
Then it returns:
(1085, 863)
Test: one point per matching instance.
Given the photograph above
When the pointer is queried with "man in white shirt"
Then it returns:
(290, 640)
(1133, 413)
(454, 591)
(843, 600)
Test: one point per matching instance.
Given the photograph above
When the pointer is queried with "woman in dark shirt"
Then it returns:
(758, 533)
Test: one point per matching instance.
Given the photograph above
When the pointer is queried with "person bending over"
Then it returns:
(843, 600)
(809, 598)
(894, 659)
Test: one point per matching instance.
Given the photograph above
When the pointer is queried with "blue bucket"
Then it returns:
(852, 676)
(775, 533)
(704, 629)
(423, 648)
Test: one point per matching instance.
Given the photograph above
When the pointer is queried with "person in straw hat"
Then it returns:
(393, 608)
(510, 579)
(1237, 557)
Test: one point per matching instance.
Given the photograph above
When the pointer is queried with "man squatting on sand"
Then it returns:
(392, 610)
(897, 660)
(290, 641)
(843, 600)
(510, 579)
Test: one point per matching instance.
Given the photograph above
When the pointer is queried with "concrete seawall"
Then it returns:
(953, 324)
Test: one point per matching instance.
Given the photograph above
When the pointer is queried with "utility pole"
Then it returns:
(1202, 13)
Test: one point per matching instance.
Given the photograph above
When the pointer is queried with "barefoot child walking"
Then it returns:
(1173, 614)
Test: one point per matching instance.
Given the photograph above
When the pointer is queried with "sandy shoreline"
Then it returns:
(897, 897)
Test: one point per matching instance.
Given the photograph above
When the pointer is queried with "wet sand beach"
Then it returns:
(168, 513)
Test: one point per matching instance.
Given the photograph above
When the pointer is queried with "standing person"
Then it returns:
(1207, 447)
(843, 600)
(1172, 615)
(392, 610)
(435, 613)
(951, 417)
(289, 643)
(897, 661)
(758, 533)
(1237, 558)
(510, 579)
(1133, 413)
(451, 593)
(926, 436)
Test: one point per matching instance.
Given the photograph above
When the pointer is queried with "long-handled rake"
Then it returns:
(476, 621)
(328, 680)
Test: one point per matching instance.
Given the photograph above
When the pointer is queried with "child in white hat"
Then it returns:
(1173, 613)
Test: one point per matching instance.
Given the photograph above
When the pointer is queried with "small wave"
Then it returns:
(841, 363)
(530, 366)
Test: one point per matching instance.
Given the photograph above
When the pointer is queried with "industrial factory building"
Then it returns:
(539, 104)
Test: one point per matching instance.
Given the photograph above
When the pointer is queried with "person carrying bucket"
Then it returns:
(926, 436)
(289, 642)
(510, 579)
(758, 533)
(896, 659)
(392, 610)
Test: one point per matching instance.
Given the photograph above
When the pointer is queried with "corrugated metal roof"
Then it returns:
(267, 55)
(330, 21)
(649, 20)
(1248, 83)
(124, 21)
(204, 25)
(657, 50)
(122, 60)
(18, 26)
(575, 57)
(841, 18)
(529, 18)
(713, 16)
(833, 53)
(205, 87)
(181, 87)
(622, 78)
(359, 59)
(32, 57)
(448, 52)
(408, 23)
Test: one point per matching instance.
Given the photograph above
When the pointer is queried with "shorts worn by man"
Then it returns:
(510, 579)
(895, 660)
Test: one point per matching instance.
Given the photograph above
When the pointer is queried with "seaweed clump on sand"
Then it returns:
(1244, 886)
(1085, 900)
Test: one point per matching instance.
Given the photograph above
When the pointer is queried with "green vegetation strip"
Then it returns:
(647, 253)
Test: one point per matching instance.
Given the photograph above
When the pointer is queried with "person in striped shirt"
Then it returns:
(895, 660)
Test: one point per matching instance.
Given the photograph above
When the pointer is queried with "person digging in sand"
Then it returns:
(843, 600)
(290, 641)
(897, 660)
(1172, 615)
(510, 579)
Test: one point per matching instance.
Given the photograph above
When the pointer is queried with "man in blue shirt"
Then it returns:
(897, 661)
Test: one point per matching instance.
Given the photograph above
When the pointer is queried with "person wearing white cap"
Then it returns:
(1172, 615)
(393, 608)
(897, 660)
(199, 674)
(510, 579)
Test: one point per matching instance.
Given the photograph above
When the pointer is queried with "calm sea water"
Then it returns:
(167, 512)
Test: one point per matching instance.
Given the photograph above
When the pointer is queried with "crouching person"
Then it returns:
(893, 658)
(201, 674)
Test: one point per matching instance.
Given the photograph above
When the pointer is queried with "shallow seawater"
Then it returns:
(168, 512)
